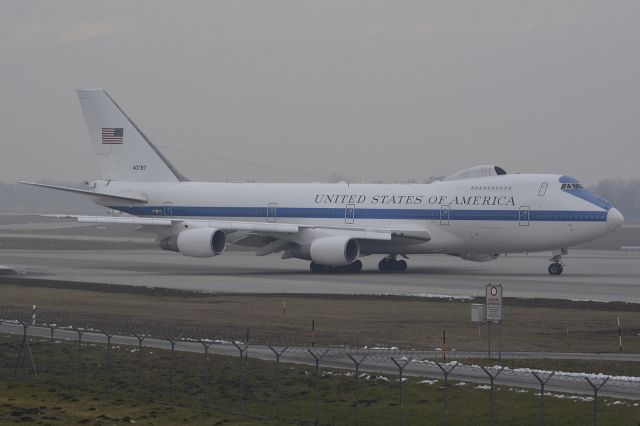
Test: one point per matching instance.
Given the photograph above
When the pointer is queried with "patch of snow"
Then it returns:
(428, 382)
(565, 396)
(483, 387)
(442, 296)
(580, 375)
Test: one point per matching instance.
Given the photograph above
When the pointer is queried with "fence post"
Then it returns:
(206, 343)
(80, 360)
(317, 359)
(358, 363)
(492, 378)
(242, 350)
(52, 327)
(543, 382)
(173, 365)
(278, 354)
(108, 363)
(25, 350)
(140, 337)
(596, 389)
(446, 385)
(401, 367)
(489, 339)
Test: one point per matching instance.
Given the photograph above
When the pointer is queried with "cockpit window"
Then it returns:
(571, 186)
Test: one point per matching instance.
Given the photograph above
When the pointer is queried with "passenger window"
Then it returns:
(543, 189)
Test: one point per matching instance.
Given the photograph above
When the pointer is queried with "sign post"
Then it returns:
(493, 311)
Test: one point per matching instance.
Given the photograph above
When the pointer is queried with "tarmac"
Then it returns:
(38, 247)
(597, 275)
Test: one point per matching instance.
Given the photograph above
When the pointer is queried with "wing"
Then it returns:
(264, 236)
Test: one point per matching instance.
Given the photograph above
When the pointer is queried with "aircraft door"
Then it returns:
(445, 212)
(168, 209)
(524, 216)
(543, 189)
(350, 213)
(272, 209)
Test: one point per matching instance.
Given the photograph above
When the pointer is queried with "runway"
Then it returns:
(589, 274)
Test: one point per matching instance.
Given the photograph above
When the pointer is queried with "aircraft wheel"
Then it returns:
(402, 265)
(315, 268)
(392, 265)
(356, 266)
(555, 269)
(382, 265)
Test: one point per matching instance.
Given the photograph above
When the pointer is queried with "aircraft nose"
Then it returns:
(614, 219)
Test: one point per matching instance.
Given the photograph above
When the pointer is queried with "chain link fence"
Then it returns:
(298, 379)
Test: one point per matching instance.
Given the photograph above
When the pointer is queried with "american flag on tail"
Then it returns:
(112, 135)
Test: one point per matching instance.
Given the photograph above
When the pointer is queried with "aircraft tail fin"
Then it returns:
(124, 153)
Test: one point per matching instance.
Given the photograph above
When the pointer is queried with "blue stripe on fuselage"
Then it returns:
(589, 197)
(363, 213)
(584, 194)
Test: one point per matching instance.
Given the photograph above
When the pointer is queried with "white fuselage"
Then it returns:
(485, 215)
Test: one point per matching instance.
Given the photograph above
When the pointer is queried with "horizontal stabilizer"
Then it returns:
(87, 192)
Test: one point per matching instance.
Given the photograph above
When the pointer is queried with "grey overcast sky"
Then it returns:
(375, 90)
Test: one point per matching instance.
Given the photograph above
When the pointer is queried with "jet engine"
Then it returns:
(478, 257)
(329, 251)
(198, 242)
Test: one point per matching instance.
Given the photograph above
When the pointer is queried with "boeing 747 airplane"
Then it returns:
(478, 214)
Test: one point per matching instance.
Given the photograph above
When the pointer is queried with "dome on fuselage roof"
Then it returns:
(476, 172)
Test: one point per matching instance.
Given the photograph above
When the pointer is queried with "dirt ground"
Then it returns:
(406, 322)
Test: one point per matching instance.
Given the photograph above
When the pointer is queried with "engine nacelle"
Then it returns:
(478, 257)
(198, 242)
(329, 251)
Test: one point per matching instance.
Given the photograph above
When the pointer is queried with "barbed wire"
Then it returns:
(98, 325)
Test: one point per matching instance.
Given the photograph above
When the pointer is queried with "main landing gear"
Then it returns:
(557, 266)
(391, 264)
(327, 269)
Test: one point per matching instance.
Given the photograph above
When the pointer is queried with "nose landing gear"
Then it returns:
(557, 266)
(391, 264)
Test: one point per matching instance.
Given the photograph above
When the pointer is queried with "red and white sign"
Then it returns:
(494, 302)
